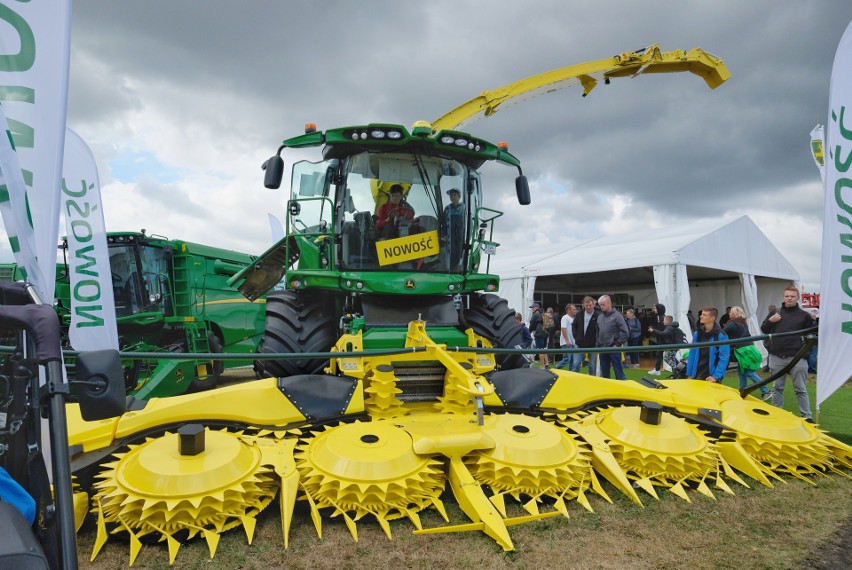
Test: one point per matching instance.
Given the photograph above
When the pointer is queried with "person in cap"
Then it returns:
(454, 221)
(393, 213)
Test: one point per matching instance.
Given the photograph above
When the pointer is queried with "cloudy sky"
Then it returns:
(181, 101)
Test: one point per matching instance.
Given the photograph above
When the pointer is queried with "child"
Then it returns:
(526, 335)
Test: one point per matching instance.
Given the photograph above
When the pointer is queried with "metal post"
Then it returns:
(57, 388)
(61, 465)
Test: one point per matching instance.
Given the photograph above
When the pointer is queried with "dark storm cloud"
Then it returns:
(249, 74)
(281, 59)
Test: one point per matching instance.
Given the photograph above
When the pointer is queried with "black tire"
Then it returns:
(490, 316)
(297, 323)
(218, 366)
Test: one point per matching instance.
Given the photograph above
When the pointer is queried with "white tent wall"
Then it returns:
(672, 287)
(714, 262)
(769, 292)
(719, 294)
(512, 290)
(729, 293)
(750, 307)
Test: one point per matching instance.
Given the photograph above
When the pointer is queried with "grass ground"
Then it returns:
(795, 525)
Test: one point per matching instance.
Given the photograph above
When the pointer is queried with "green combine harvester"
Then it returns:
(171, 296)
(356, 263)
(382, 394)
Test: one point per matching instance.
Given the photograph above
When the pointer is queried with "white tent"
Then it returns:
(729, 264)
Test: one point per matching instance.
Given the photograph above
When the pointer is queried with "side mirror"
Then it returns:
(522, 188)
(274, 168)
(99, 384)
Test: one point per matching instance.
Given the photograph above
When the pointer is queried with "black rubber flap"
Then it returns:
(318, 396)
(522, 387)
(41, 321)
(14, 293)
(651, 383)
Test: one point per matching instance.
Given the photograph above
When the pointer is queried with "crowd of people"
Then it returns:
(598, 324)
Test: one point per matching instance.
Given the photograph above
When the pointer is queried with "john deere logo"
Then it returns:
(817, 151)
(409, 283)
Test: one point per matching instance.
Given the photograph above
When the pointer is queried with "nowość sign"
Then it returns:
(407, 248)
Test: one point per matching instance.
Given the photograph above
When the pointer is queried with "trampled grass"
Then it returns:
(785, 527)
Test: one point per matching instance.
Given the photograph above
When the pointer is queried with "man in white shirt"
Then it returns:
(566, 340)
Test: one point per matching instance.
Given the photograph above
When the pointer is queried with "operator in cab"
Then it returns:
(454, 217)
(394, 213)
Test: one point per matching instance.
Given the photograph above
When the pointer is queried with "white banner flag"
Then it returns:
(34, 54)
(13, 206)
(275, 228)
(92, 302)
(835, 323)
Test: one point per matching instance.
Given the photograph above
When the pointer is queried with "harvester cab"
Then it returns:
(390, 228)
(140, 276)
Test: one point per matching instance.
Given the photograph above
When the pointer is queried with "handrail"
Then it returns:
(393, 351)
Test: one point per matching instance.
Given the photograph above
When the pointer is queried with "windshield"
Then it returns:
(403, 212)
(310, 187)
(135, 282)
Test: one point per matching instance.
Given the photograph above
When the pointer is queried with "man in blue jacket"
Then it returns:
(710, 362)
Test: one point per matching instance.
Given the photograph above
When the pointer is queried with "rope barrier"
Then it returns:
(129, 355)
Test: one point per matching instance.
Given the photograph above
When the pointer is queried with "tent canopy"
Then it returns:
(730, 263)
